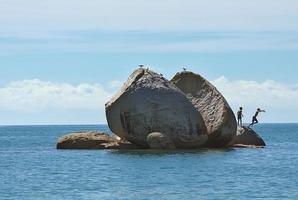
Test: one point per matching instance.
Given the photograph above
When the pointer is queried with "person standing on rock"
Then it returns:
(254, 118)
(240, 116)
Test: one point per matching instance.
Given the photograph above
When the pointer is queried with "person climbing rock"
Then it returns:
(254, 118)
(240, 116)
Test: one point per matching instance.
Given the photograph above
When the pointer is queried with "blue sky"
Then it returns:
(60, 61)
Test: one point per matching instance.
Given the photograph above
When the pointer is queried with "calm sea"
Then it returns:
(32, 168)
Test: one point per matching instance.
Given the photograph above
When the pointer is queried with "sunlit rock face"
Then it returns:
(149, 103)
(216, 112)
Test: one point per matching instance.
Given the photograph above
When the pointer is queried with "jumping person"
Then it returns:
(240, 116)
(254, 118)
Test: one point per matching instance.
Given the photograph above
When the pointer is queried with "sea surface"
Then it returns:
(32, 168)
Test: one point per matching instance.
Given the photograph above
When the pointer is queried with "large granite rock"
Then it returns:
(216, 112)
(92, 140)
(149, 103)
(247, 137)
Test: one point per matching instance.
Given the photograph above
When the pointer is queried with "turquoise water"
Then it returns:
(31, 168)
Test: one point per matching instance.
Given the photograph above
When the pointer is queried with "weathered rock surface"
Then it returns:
(247, 137)
(159, 141)
(216, 112)
(149, 103)
(92, 140)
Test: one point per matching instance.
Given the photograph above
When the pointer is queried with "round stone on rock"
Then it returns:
(159, 141)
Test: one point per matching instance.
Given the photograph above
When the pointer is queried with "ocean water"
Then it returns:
(32, 168)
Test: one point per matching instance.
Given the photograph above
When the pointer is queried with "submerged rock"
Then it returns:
(247, 137)
(92, 140)
(149, 103)
(159, 141)
(216, 112)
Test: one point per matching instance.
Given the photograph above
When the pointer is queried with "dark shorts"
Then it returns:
(254, 119)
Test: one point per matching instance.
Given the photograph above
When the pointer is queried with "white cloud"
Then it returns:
(268, 93)
(39, 96)
(277, 98)
(36, 101)
(115, 84)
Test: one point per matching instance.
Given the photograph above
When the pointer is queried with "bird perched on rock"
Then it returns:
(141, 66)
(184, 69)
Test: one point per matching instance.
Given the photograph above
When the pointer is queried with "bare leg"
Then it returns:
(254, 121)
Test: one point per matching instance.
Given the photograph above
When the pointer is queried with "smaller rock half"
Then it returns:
(92, 140)
(247, 137)
(211, 104)
(159, 141)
